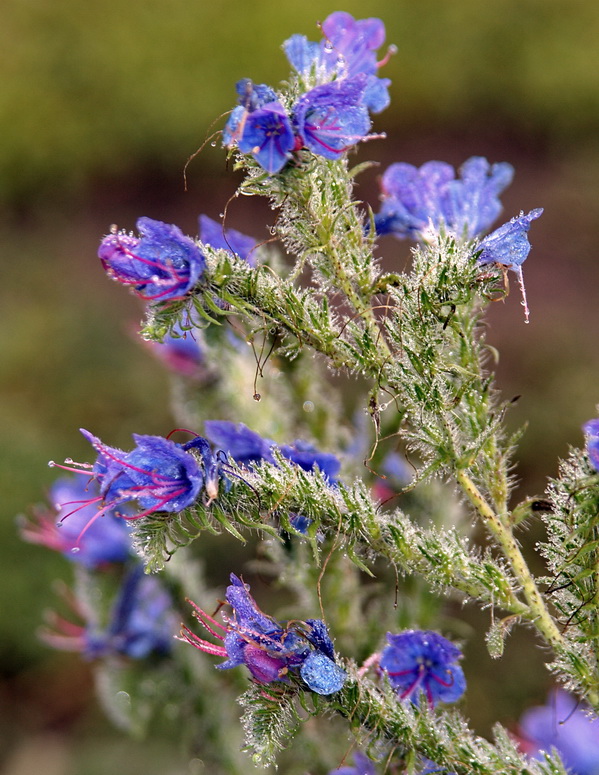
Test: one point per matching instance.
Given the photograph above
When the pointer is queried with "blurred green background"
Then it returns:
(101, 103)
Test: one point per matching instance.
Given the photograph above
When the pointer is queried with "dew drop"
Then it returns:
(51, 464)
(213, 143)
(75, 550)
(257, 397)
(113, 228)
(308, 406)
(69, 461)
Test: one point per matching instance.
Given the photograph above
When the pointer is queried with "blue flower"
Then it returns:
(423, 662)
(231, 240)
(347, 49)
(508, 245)
(65, 530)
(416, 200)
(564, 724)
(246, 447)
(362, 766)
(591, 429)
(331, 118)
(141, 622)
(269, 650)
(158, 474)
(306, 456)
(259, 125)
(161, 265)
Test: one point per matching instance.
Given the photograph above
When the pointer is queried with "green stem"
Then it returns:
(539, 614)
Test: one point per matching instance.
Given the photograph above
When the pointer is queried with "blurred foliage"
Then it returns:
(104, 87)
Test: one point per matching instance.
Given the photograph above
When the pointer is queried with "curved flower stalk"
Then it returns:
(161, 265)
(107, 540)
(270, 651)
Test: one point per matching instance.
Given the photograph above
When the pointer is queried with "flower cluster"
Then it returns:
(422, 662)
(161, 265)
(270, 651)
(329, 118)
(417, 201)
(564, 724)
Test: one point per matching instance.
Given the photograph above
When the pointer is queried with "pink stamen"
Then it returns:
(186, 635)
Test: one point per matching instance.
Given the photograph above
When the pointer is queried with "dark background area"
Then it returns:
(100, 105)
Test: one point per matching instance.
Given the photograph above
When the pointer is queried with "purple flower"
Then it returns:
(362, 766)
(347, 49)
(259, 125)
(141, 622)
(246, 447)
(566, 725)
(270, 651)
(161, 265)
(332, 118)
(591, 429)
(423, 662)
(65, 529)
(158, 474)
(213, 234)
(306, 456)
(418, 199)
(509, 245)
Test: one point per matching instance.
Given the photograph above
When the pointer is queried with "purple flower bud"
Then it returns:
(423, 662)
(269, 650)
(332, 118)
(161, 265)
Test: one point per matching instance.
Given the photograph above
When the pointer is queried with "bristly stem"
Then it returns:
(541, 618)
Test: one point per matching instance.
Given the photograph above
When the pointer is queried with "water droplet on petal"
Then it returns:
(74, 550)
